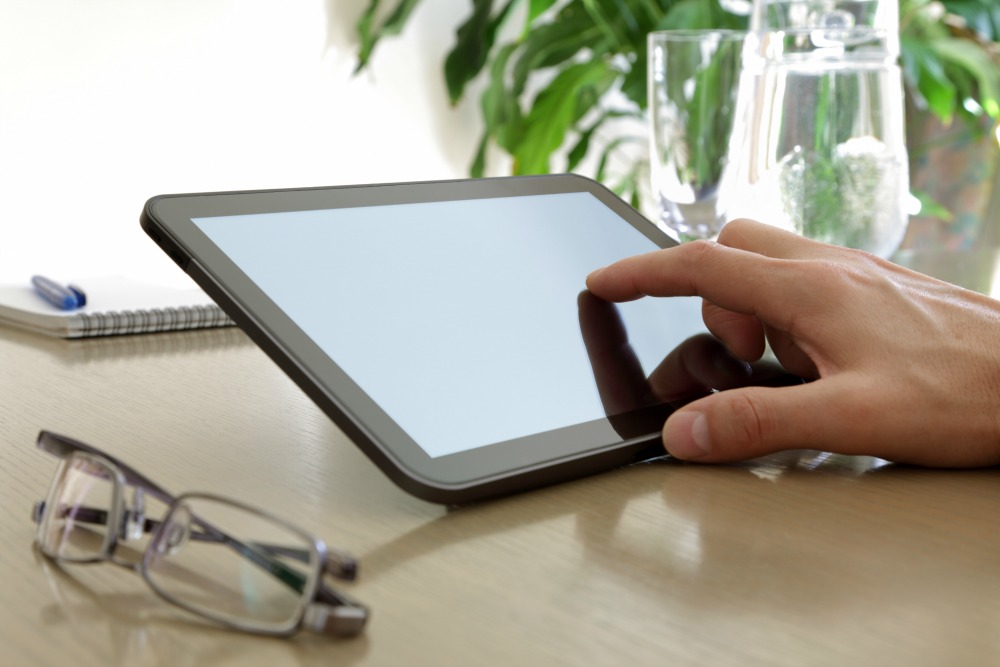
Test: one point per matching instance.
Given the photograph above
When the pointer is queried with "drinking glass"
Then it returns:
(693, 80)
(824, 153)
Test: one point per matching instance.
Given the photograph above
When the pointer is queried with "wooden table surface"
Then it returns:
(800, 559)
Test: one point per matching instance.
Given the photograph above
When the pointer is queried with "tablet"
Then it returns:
(445, 327)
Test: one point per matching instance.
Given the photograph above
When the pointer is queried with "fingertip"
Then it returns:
(686, 435)
(593, 275)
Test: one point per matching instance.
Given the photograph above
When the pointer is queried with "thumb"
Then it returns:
(745, 423)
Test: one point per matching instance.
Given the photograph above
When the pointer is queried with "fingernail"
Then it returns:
(686, 435)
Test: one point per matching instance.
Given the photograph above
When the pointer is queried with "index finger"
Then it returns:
(734, 279)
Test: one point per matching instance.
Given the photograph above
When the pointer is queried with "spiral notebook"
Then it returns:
(115, 306)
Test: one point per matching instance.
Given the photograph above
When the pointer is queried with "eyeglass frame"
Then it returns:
(321, 609)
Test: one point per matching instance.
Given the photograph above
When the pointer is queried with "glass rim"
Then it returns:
(695, 34)
(854, 31)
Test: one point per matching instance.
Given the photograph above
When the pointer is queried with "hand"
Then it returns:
(906, 367)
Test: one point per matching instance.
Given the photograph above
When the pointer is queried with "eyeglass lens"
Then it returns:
(231, 563)
(75, 524)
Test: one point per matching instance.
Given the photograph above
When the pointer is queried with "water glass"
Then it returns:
(824, 152)
(693, 81)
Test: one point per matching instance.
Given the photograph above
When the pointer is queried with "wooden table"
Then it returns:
(799, 559)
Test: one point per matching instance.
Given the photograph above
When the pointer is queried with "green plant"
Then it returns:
(949, 54)
(576, 67)
(548, 88)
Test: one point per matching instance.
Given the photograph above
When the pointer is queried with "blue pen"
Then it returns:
(64, 297)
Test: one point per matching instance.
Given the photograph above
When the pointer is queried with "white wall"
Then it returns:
(105, 103)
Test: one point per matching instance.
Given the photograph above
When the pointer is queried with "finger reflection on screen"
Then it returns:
(637, 403)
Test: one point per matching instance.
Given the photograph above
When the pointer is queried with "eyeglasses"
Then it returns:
(215, 557)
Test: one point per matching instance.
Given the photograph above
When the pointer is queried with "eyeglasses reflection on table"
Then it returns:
(213, 556)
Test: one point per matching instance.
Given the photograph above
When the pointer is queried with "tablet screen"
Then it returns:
(460, 319)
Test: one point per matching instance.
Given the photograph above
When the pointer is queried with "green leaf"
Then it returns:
(535, 9)
(628, 188)
(982, 16)
(367, 34)
(471, 49)
(478, 167)
(501, 112)
(579, 150)
(634, 84)
(971, 57)
(582, 146)
(476, 38)
(609, 148)
(604, 24)
(624, 10)
(392, 25)
(555, 110)
(694, 15)
(552, 44)
(932, 82)
(930, 208)
(653, 11)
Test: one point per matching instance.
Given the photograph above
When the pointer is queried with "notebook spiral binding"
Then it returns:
(148, 321)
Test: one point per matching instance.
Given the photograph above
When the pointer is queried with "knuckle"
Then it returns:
(697, 250)
(735, 230)
(749, 420)
(700, 257)
(837, 279)
(829, 271)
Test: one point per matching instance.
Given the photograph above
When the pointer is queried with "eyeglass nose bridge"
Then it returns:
(134, 522)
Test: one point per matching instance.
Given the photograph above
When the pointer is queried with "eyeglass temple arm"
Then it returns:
(98, 517)
(341, 566)
(62, 446)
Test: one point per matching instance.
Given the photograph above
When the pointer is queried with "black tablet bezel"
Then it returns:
(455, 478)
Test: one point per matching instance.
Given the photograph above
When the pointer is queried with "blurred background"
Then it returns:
(105, 103)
